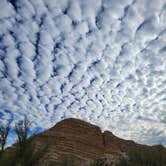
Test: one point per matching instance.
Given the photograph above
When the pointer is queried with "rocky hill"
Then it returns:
(84, 141)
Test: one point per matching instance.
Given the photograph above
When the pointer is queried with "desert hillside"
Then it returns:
(74, 137)
(73, 142)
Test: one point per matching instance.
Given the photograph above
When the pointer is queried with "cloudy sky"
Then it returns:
(102, 61)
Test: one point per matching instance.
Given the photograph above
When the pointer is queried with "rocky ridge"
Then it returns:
(83, 140)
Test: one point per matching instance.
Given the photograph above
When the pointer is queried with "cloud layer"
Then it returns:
(103, 61)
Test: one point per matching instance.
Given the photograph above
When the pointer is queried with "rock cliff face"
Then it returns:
(83, 140)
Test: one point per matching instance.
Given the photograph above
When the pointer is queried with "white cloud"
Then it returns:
(100, 61)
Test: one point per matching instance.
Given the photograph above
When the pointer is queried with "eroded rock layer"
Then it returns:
(83, 140)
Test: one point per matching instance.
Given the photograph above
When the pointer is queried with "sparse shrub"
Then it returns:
(99, 162)
(123, 162)
(65, 160)
(154, 156)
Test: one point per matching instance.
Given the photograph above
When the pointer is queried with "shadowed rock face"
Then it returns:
(83, 140)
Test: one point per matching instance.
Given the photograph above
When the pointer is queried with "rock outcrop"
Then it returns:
(82, 140)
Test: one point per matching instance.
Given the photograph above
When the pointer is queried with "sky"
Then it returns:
(102, 61)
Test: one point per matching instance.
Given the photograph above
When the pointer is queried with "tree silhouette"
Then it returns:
(27, 153)
(4, 131)
(24, 152)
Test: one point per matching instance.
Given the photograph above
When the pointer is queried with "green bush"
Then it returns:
(154, 156)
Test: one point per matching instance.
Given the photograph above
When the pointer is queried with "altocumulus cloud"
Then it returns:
(103, 61)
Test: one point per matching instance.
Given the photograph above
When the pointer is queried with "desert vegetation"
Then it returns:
(147, 156)
(154, 156)
(4, 131)
(65, 160)
(24, 152)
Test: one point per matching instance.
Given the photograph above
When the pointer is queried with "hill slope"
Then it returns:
(84, 141)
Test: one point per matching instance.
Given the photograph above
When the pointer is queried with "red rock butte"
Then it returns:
(82, 140)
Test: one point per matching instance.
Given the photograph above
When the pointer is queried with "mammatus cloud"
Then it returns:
(103, 61)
